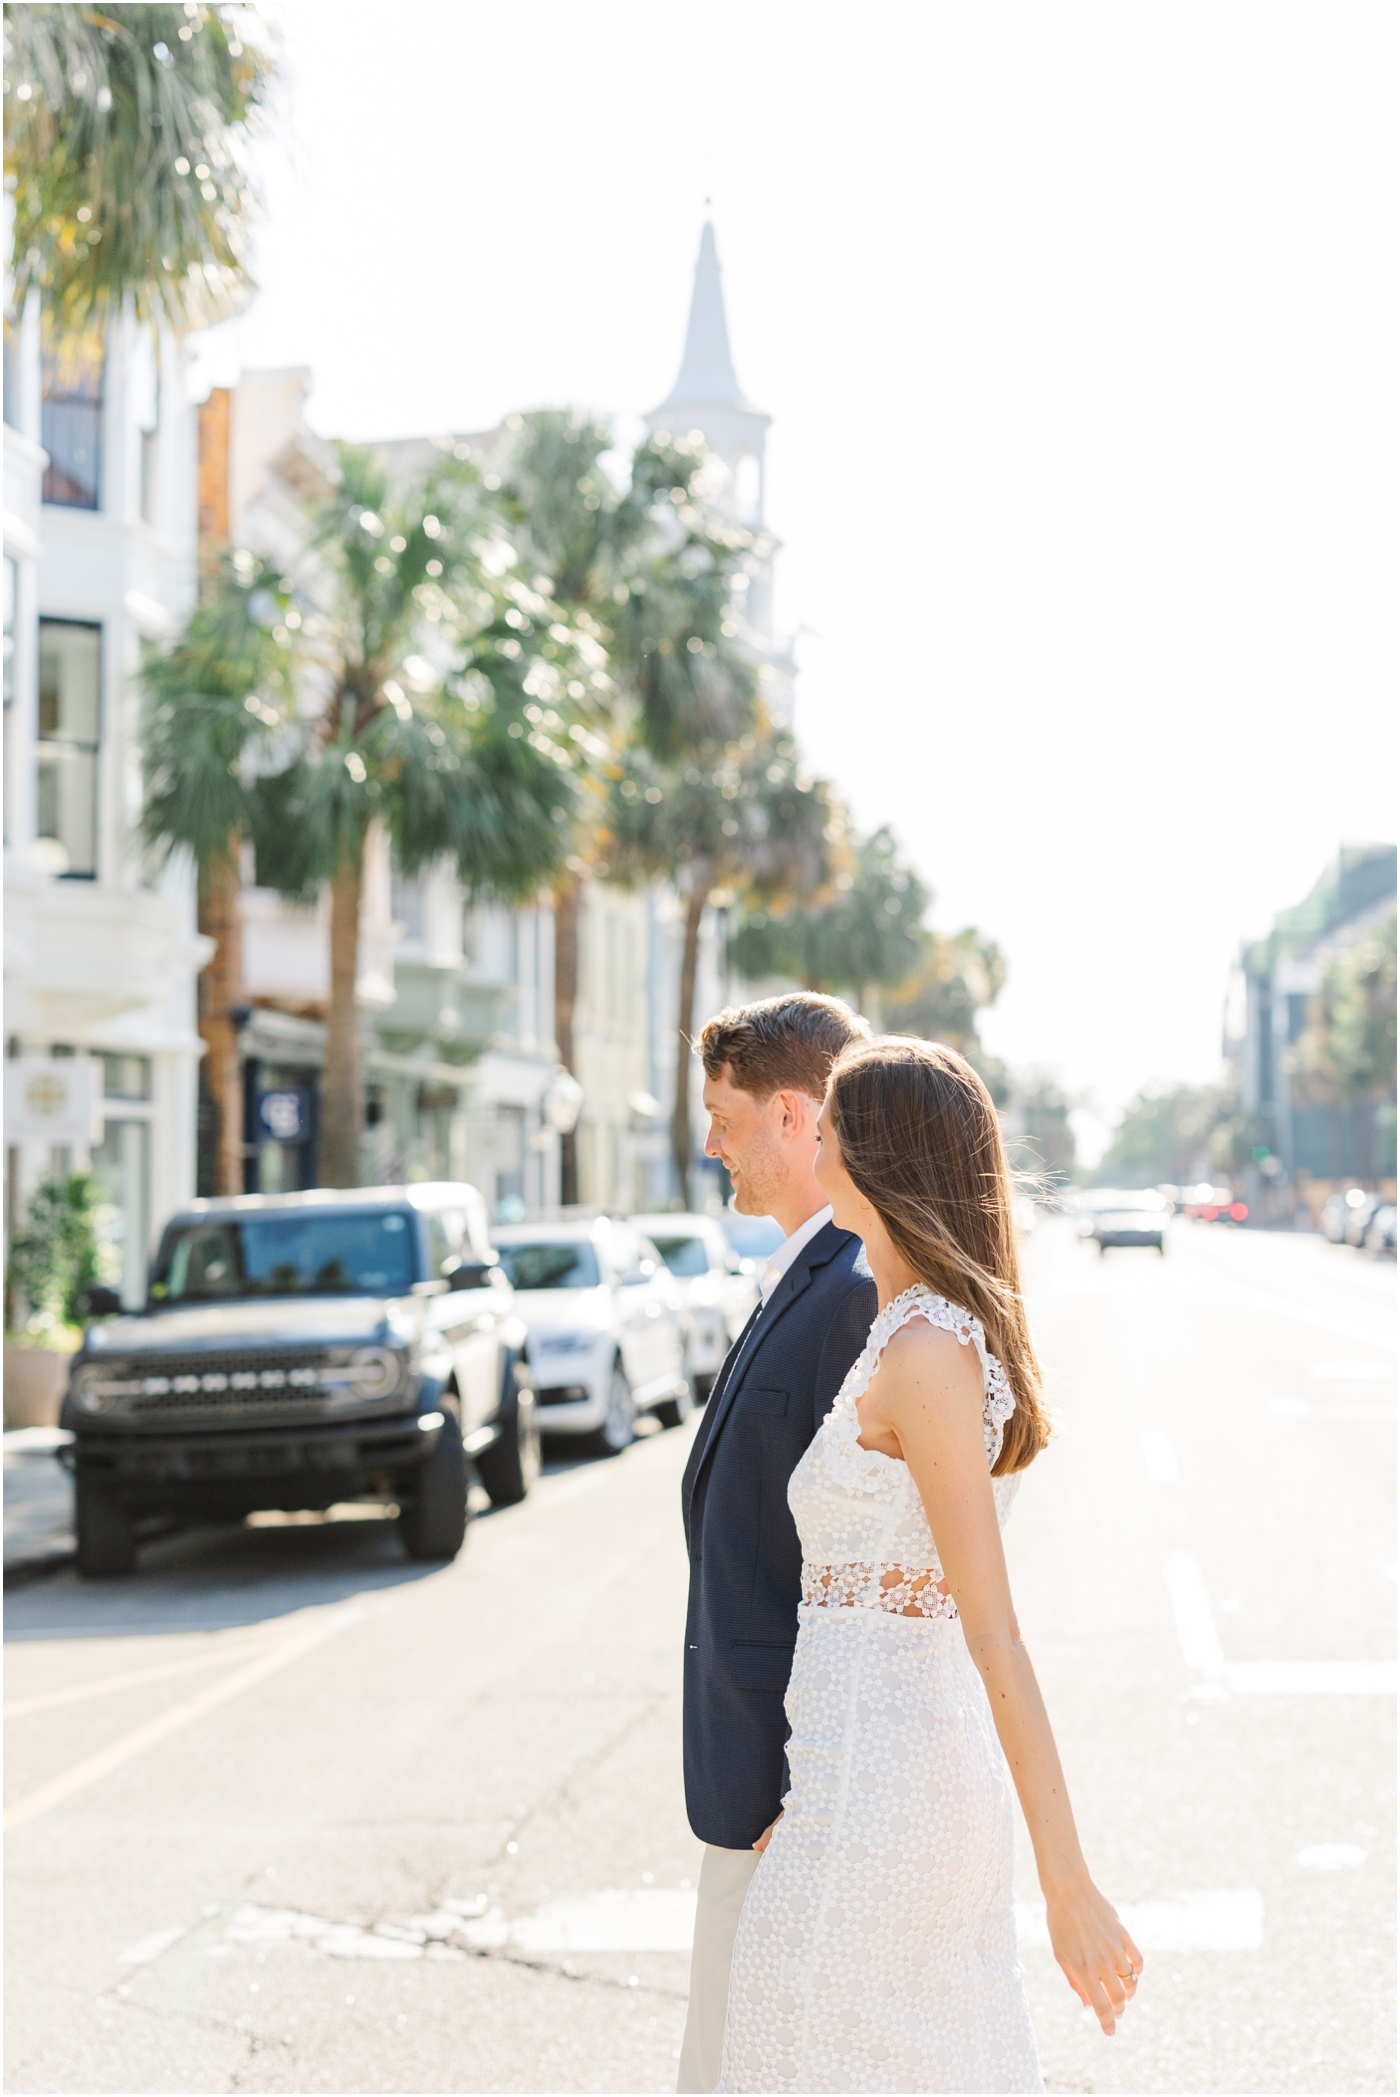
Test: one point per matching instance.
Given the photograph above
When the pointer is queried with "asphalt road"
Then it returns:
(288, 1814)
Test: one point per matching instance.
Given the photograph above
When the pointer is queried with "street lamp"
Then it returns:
(562, 1102)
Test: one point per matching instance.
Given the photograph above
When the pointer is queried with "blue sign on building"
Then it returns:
(284, 1113)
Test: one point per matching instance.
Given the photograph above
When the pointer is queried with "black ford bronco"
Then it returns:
(300, 1350)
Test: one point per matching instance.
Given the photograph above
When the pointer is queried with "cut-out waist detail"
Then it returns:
(918, 1591)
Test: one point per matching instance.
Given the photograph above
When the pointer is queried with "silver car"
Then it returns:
(719, 1285)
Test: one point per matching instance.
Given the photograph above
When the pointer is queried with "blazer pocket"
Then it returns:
(756, 1666)
(768, 1405)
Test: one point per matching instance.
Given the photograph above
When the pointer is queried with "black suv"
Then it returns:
(298, 1350)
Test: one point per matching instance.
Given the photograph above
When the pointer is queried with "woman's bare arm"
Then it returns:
(925, 1405)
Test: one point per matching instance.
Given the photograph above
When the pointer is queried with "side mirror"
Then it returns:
(472, 1274)
(101, 1303)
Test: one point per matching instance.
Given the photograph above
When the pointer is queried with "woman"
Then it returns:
(877, 1947)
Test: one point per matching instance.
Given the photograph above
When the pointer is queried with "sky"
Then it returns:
(1077, 325)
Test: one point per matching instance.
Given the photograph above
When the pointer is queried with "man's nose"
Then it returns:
(712, 1149)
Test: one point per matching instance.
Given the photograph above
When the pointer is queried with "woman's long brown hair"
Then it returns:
(919, 1137)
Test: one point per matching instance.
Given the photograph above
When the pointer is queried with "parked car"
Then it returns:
(607, 1328)
(1380, 1234)
(1360, 1216)
(720, 1288)
(1346, 1216)
(1117, 1216)
(752, 1237)
(298, 1350)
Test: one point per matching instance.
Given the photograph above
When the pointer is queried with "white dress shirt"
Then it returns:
(777, 1263)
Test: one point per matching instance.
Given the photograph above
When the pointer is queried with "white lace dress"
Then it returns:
(877, 1946)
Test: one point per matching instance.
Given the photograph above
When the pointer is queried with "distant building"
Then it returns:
(1279, 978)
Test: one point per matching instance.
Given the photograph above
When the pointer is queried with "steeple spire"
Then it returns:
(707, 377)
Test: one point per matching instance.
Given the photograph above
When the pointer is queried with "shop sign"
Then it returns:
(284, 1113)
(53, 1099)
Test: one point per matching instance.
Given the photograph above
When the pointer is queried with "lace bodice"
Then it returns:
(866, 1542)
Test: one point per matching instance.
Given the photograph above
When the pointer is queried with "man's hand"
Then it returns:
(767, 1836)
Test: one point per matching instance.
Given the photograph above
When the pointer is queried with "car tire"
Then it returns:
(106, 1534)
(704, 1384)
(620, 1420)
(674, 1412)
(511, 1465)
(1103, 1250)
(433, 1513)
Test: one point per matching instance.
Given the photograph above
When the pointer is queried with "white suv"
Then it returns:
(719, 1283)
(606, 1324)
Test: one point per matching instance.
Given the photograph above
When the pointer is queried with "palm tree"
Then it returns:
(125, 129)
(747, 820)
(215, 703)
(867, 933)
(651, 578)
(472, 763)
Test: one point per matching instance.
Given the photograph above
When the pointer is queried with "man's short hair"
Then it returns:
(782, 1044)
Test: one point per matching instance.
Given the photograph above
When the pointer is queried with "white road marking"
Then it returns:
(1312, 1678)
(1160, 1457)
(657, 1919)
(1304, 1409)
(1224, 1921)
(1195, 1620)
(1201, 1648)
(1331, 1856)
(124, 1749)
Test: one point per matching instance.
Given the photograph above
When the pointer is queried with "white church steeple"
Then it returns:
(707, 377)
(708, 401)
(707, 395)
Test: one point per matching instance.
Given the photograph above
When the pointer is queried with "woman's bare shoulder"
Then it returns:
(923, 1359)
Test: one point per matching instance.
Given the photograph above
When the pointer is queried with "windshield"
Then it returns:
(557, 1266)
(1126, 1204)
(335, 1253)
(684, 1256)
(753, 1237)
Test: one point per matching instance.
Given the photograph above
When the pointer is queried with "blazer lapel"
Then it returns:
(822, 1248)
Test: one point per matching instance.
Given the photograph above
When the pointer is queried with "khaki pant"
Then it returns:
(724, 1880)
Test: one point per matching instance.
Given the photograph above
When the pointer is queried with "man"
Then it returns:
(766, 1067)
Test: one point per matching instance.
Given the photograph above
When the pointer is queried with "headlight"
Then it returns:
(364, 1372)
(95, 1390)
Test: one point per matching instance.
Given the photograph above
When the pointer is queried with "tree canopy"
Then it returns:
(125, 144)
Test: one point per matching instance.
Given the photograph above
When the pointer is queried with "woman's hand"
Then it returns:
(767, 1836)
(1094, 1952)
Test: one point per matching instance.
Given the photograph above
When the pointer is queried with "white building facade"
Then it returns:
(101, 947)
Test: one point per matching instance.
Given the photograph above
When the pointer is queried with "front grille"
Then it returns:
(304, 1381)
(562, 1394)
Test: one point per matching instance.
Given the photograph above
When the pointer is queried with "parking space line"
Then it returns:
(134, 1678)
(1195, 1619)
(1201, 1648)
(125, 1749)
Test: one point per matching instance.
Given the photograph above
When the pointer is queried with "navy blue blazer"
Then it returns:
(772, 1394)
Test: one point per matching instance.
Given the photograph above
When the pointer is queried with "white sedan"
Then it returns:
(606, 1328)
(719, 1283)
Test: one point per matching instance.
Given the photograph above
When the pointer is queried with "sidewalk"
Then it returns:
(38, 1501)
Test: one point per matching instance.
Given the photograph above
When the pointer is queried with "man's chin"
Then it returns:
(743, 1203)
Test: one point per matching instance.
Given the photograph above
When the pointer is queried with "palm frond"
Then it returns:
(125, 132)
